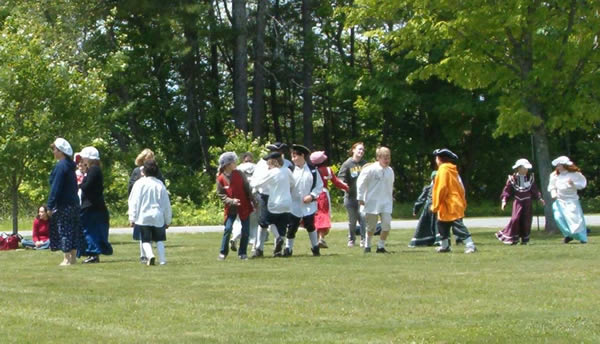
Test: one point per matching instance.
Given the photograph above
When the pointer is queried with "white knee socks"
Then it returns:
(160, 247)
(314, 238)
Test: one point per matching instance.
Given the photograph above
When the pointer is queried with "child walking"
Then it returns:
(448, 200)
(150, 211)
(375, 187)
(323, 215)
(521, 186)
(234, 191)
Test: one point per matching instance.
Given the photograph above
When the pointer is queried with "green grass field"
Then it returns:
(546, 292)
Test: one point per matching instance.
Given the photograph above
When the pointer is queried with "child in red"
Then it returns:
(234, 191)
(323, 215)
(41, 231)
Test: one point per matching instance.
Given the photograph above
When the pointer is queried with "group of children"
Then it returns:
(285, 195)
(563, 184)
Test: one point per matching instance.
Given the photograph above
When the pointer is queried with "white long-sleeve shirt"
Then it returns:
(149, 203)
(559, 187)
(375, 187)
(279, 182)
(260, 171)
(303, 181)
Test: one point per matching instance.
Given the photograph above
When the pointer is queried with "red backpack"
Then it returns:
(9, 242)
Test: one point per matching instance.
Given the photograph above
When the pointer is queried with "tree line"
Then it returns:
(494, 82)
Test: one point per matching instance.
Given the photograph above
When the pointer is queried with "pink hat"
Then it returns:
(318, 157)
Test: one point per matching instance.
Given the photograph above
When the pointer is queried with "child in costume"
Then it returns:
(426, 233)
(323, 215)
(563, 185)
(521, 186)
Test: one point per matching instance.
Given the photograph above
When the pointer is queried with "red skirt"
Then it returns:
(323, 216)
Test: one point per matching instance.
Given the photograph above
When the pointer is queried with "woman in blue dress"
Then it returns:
(63, 204)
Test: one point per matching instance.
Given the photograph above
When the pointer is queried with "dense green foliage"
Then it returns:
(541, 293)
(414, 75)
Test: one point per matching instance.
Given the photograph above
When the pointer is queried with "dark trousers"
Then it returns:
(227, 235)
(280, 221)
(457, 226)
(263, 211)
(309, 224)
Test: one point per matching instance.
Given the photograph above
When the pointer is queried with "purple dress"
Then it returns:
(523, 189)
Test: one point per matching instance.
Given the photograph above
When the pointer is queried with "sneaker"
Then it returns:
(221, 256)
(567, 240)
(258, 253)
(362, 243)
(469, 250)
(350, 243)
(91, 259)
(381, 250)
(151, 261)
(163, 263)
(243, 257)
(232, 245)
(278, 247)
(287, 252)
(367, 250)
(316, 251)
(143, 260)
(443, 249)
(323, 244)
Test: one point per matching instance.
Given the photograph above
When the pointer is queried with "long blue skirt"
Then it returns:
(66, 233)
(95, 230)
(569, 218)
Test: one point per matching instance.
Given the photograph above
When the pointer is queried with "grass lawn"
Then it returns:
(546, 292)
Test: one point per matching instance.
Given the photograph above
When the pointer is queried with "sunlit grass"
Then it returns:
(545, 292)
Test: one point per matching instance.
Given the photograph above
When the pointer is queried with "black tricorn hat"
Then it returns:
(276, 146)
(302, 149)
(445, 152)
(272, 155)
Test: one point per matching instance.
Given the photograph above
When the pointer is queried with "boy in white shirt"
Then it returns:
(375, 187)
(150, 211)
(307, 187)
(279, 181)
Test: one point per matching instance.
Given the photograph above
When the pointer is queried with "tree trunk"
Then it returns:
(196, 119)
(258, 101)
(542, 155)
(14, 193)
(307, 70)
(240, 65)
(275, 110)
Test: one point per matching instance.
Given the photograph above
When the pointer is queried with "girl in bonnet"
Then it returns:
(521, 186)
(323, 215)
(563, 185)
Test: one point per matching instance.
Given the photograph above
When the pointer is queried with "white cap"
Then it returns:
(522, 162)
(562, 160)
(90, 153)
(63, 146)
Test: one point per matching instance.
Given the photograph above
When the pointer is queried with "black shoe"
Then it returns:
(258, 253)
(232, 245)
(567, 240)
(151, 261)
(316, 251)
(287, 252)
(381, 250)
(459, 242)
(278, 247)
(143, 260)
(91, 259)
(367, 250)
